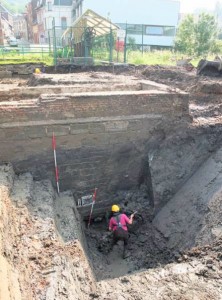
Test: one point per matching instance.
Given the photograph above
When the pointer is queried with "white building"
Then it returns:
(57, 11)
(149, 22)
(20, 27)
(6, 24)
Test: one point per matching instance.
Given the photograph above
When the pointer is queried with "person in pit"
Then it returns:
(118, 225)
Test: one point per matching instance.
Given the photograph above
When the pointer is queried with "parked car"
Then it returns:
(12, 41)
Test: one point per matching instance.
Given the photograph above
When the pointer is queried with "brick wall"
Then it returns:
(60, 107)
(101, 138)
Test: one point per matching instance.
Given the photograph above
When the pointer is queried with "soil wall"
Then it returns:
(36, 261)
(11, 279)
(9, 71)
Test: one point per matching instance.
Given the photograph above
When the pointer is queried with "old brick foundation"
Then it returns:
(102, 136)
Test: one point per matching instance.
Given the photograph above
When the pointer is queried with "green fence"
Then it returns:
(82, 45)
(25, 52)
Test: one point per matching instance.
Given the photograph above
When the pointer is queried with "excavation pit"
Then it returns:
(135, 141)
(98, 119)
(142, 251)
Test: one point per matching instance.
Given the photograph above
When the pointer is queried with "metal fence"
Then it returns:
(24, 51)
(80, 46)
(84, 45)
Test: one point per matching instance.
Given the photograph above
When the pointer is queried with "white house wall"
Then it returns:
(166, 41)
(149, 12)
(58, 12)
(144, 12)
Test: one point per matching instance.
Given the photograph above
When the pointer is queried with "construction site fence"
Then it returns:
(81, 45)
(25, 52)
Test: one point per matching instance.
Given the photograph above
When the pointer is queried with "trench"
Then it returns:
(146, 249)
(112, 155)
(107, 263)
(142, 251)
(133, 140)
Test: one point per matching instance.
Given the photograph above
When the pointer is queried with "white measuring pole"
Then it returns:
(93, 202)
(55, 160)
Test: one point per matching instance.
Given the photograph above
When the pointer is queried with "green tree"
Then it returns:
(197, 36)
(206, 34)
(185, 38)
(217, 47)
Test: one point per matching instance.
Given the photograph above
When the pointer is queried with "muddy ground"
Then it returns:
(43, 239)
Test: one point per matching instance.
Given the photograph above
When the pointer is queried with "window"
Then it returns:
(131, 28)
(154, 30)
(74, 14)
(64, 23)
(160, 30)
(63, 2)
(134, 29)
(39, 18)
(49, 6)
(139, 29)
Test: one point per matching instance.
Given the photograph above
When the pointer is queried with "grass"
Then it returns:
(165, 57)
(151, 58)
(13, 58)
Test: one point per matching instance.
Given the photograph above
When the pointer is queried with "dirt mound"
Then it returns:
(207, 87)
(208, 255)
(172, 76)
(35, 80)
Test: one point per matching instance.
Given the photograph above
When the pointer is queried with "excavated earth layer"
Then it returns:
(175, 250)
(38, 264)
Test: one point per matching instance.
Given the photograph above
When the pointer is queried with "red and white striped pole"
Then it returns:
(93, 202)
(56, 167)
